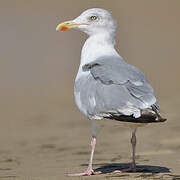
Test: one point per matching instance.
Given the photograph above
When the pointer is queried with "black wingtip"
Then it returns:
(162, 120)
(143, 119)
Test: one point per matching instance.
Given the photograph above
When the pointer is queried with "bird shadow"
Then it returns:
(109, 168)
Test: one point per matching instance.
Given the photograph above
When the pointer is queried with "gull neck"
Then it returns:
(98, 45)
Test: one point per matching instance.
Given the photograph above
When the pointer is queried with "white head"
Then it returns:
(91, 21)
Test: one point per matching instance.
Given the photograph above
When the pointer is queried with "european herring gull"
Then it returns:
(106, 86)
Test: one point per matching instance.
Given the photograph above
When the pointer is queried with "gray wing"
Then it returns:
(124, 87)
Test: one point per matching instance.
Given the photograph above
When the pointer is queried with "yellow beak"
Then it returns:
(66, 25)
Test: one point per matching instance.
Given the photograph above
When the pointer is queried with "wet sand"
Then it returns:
(55, 143)
(43, 136)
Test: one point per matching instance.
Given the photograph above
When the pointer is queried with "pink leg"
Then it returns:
(89, 170)
(133, 167)
(133, 142)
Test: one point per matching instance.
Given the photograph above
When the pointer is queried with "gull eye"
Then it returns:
(93, 18)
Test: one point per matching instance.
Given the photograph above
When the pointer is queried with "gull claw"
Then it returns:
(86, 173)
(125, 170)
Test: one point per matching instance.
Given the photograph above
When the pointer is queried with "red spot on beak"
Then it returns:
(63, 28)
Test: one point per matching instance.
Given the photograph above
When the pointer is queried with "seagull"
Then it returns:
(106, 86)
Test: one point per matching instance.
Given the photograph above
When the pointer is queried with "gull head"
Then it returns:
(92, 21)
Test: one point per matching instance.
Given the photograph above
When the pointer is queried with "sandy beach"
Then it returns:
(38, 149)
(43, 136)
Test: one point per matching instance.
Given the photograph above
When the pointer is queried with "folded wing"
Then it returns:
(122, 88)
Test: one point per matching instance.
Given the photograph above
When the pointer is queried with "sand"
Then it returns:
(43, 136)
(51, 145)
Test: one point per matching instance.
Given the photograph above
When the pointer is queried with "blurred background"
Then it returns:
(38, 66)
